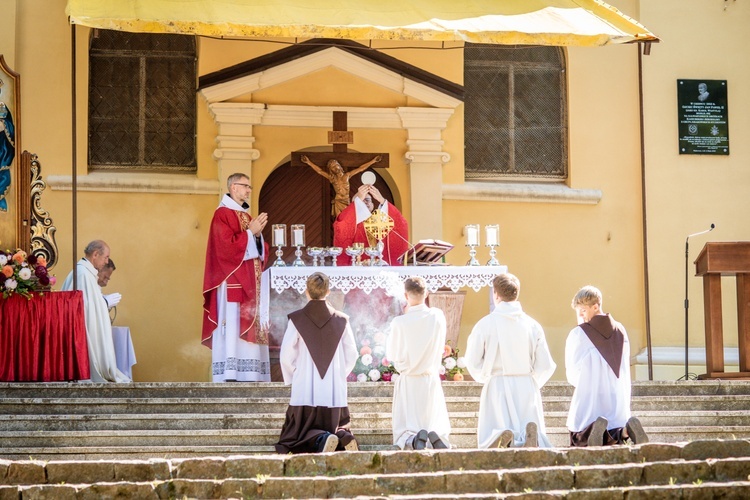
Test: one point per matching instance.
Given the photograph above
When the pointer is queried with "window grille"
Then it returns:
(515, 121)
(142, 102)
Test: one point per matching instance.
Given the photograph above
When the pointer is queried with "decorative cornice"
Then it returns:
(517, 192)
(136, 183)
(436, 157)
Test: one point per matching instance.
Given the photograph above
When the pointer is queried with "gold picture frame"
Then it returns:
(12, 214)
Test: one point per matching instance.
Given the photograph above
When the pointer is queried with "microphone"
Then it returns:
(701, 232)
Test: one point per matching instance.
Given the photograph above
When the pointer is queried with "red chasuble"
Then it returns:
(227, 242)
(346, 231)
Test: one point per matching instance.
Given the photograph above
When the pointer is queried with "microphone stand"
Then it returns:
(687, 304)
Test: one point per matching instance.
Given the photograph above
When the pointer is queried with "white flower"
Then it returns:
(361, 377)
(3, 259)
(461, 363)
(10, 284)
(395, 377)
(374, 375)
(379, 351)
(441, 371)
(450, 363)
(24, 273)
(366, 359)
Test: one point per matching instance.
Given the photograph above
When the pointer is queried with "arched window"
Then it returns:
(515, 120)
(142, 101)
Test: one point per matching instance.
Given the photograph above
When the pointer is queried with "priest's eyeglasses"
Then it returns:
(243, 185)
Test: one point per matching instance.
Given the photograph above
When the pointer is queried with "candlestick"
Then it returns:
(298, 240)
(278, 238)
(492, 234)
(472, 240)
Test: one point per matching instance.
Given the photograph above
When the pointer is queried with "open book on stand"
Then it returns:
(426, 253)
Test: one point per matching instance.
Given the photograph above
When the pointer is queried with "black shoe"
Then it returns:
(596, 438)
(532, 435)
(327, 443)
(635, 431)
(437, 443)
(420, 440)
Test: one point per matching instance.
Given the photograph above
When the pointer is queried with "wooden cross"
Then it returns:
(339, 137)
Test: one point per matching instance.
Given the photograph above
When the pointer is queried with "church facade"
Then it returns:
(574, 152)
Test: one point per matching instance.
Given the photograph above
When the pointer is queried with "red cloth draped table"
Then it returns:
(43, 338)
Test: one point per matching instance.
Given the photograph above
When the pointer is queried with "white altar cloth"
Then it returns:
(124, 352)
(368, 278)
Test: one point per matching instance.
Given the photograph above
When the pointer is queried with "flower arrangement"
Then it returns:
(23, 274)
(453, 365)
(372, 366)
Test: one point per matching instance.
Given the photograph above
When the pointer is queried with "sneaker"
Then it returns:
(420, 440)
(532, 436)
(635, 431)
(437, 443)
(596, 438)
(328, 443)
(352, 446)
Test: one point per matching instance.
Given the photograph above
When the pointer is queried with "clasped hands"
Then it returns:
(112, 299)
(258, 223)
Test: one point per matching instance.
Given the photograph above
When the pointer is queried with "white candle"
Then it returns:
(491, 233)
(298, 241)
(472, 235)
(278, 237)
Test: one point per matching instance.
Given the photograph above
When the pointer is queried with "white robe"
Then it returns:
(508, 353)
(233, 358)
(415, 347)
(299, 370)
(101, 347)
(598, 392)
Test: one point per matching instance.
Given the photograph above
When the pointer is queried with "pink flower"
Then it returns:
(447, 351)
(387, 376)
(385, 362)
(442, 377)
(365, 350)
(52, 280)
(351, 377)
(366, 342)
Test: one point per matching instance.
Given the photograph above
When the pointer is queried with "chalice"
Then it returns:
(373, 253)
(314, 252)
(334, 252)
(355, 251)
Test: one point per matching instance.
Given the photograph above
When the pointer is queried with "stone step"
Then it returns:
(356, 389)
(719, 468)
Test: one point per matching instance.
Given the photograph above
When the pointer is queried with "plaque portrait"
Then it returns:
(9, 153)
(703, 122)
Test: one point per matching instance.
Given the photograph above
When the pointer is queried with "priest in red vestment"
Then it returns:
(235, 258)
(348, 227)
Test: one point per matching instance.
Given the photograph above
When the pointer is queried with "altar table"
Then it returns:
(43, 338)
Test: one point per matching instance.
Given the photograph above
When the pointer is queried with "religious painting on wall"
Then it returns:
(702, 113)
(9, 147)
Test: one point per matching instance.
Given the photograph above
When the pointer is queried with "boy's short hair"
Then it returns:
(507, 287)
(415, 285)
(587, 296)
(317, 286)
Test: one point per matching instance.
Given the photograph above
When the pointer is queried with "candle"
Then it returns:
(278, 237)
(298, 238)
(472, 235)
(491, 233)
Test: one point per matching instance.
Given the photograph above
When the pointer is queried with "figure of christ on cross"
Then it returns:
(339, 179)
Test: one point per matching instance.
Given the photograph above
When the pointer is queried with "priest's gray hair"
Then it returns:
(234, 178)
(93, 247)
(587, 296)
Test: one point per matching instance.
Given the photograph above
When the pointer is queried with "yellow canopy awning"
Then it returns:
(510, 22)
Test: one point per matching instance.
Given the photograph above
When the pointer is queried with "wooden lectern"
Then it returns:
(716, 260)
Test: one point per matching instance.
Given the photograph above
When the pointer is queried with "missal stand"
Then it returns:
(719, 259)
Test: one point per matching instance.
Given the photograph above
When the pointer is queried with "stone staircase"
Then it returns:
(176, 420)
(202, 440)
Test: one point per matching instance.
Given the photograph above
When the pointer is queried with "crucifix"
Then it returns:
(340, 165)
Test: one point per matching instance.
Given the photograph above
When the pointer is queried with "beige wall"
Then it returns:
(158, 240)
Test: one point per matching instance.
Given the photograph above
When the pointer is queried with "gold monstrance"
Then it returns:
(377, 226)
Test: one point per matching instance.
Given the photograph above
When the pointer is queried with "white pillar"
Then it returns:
(426, 158)
(235, 151)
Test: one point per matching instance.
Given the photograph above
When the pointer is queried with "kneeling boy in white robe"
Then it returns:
(415, 347)
(317, 354)
(508, 353)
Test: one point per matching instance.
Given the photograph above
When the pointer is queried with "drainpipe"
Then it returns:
(646, 51)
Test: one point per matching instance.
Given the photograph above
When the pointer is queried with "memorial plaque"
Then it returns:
(702, 113)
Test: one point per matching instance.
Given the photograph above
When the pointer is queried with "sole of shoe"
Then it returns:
(420, 440)
(506, 439)
(437, 443)
(635, 431)
(596, 438)
(352, 446)
(332, 442)
(532, 435)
